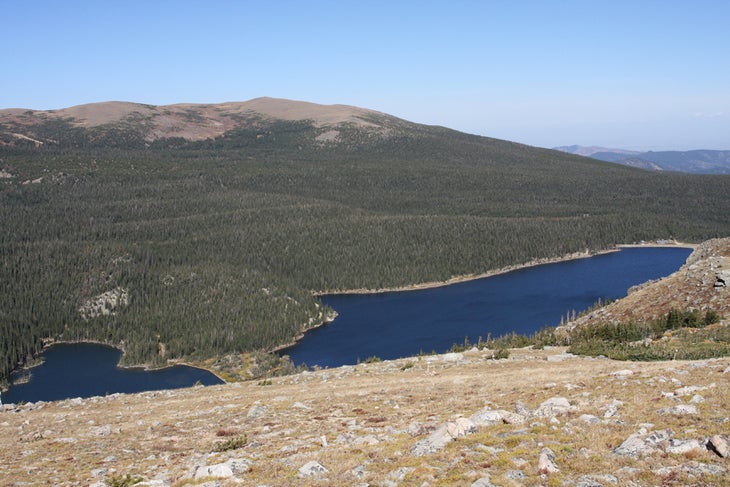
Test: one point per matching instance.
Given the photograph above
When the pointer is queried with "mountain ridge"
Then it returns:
(697, 161)
(194, 121)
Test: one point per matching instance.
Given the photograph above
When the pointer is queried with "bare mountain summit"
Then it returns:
(187, 121)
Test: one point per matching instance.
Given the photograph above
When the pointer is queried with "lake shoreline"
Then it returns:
(38, 361)
(503, 270)
(415, 287)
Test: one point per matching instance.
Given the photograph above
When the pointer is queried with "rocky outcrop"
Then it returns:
(702, 283)
(104, 304)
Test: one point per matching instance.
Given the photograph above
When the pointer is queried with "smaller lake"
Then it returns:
(402, 324)
(88, 369)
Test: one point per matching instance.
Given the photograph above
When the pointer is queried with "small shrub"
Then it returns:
(499, 354)
(372, 360)
(407, 365)
(125, 481)
(231, 444)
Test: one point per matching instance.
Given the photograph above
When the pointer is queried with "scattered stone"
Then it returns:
(452, 357)
(588, 482)
(641, 443)
(256, 411)
(680, 447)
(697, 399)
(560, 357)
(358, 472)
(105, 430)
(695, 469)
(443, 435)
(220, 470)
(552, 407)
(312, 469)
(239, 465)
(482, 482)
(546, 462)
(720, 444)
(491, 417)
(589, 418)
(400, 473)
(622, 374)
(680, 410)
(515, 474)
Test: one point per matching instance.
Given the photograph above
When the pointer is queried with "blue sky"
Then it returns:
(638, 74)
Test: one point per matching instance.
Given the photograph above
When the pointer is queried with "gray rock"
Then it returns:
(358, 472)
(680, 410)
(239, 465)
(546, 462)
(443, 435)
(552, 407)
(312, 469)
(482, 482)
(515, 474)
(588, 482)
(491, 417)
(641, 443)
(400, 473)
(695, 469)
(589, 418)
(220, 470)
(680, 447)
(622, 374)
(105, 430)
(256, 411)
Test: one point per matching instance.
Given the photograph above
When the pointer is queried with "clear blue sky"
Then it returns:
(634, 74)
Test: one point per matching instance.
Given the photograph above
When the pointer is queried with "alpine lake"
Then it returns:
(387, 325)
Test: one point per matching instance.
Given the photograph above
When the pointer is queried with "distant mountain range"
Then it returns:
(694, 161)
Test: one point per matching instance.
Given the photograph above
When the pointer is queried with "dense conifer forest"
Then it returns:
(215, 247)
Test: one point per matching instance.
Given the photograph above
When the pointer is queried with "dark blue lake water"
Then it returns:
(86, 369)
(402, 324)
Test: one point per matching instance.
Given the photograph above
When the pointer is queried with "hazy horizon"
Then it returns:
(629, 75)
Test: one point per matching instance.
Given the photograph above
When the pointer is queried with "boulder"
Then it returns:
(546, 462)
(642, 443)
(491, 417)
(719, 444)
(680, 410)
(312, 469)
(482, 482)
(552, 407)
(443, 435)
(256, 411)
(680, 447)
(220, 470)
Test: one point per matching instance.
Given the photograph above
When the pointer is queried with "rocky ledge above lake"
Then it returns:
(702, 283)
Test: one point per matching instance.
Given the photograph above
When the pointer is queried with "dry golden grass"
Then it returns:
(359, 417)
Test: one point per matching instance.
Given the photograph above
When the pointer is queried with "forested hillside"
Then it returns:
(175, 248)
